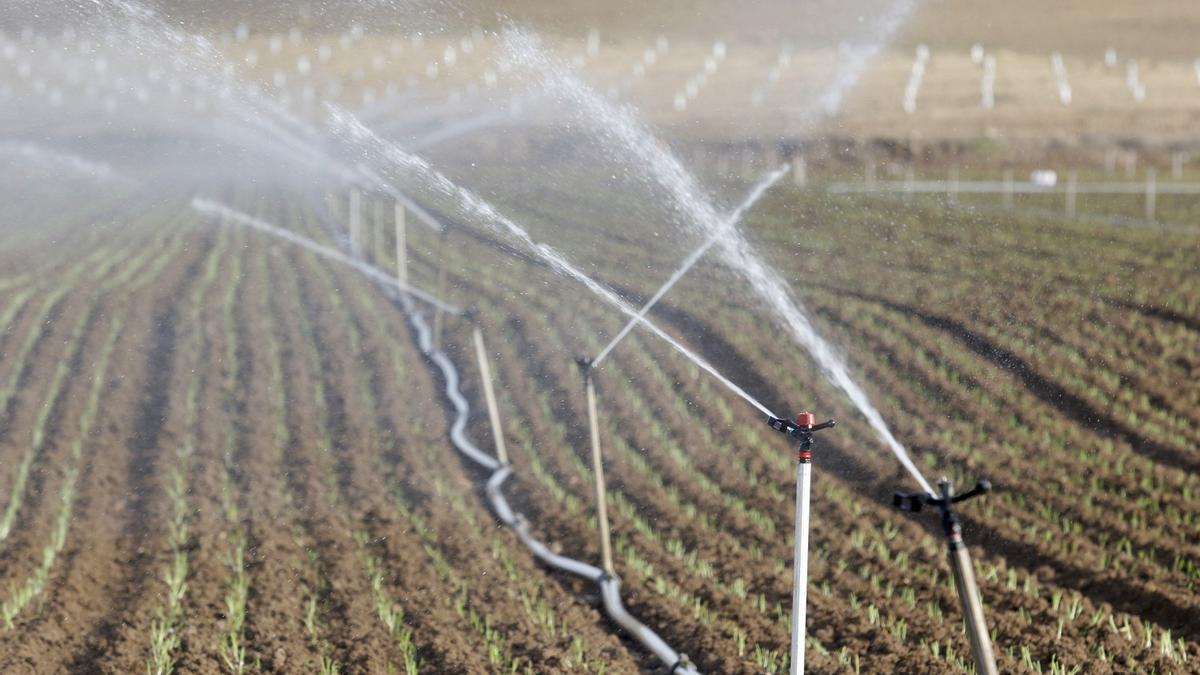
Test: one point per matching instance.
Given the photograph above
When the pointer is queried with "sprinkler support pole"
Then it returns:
(585, 366)
(489, 395)
(438, 317)
(800, 571)
(803, 429)
(355, 221)
(401, 246)
(960, 565)
(377, 234)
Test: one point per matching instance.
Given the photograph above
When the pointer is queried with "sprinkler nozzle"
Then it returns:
(585, 366)
(802, 429)
(803, 426)
(913, 502)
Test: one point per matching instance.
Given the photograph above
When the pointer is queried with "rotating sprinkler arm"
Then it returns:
(802, 428)
(912, 502)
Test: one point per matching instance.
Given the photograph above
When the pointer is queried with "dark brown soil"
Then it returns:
(320, 437)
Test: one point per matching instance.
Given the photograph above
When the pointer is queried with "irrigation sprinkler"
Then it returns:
(1060, 76)
(960, 563)
(913, 87)
(489, 393)
(802, 429)
(988, 82)
(585, 369)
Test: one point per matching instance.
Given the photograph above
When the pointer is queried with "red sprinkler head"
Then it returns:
(803, 427)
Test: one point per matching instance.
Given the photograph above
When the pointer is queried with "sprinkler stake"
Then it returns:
(585, 368)
(802, 429)
(960, 563)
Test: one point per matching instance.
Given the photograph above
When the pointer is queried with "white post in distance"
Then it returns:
(1151, 193)
(355, 220)
(1072, 189)
(377, 233)
(401, 246)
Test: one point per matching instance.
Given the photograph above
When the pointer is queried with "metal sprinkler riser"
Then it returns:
(803, 429)
(960, 564)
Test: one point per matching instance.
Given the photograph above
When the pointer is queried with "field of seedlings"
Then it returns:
(220, 452)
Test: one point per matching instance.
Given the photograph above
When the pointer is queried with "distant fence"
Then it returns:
(1150, 189)
(1002, 187)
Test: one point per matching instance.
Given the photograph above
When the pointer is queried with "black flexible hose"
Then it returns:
(610, 586)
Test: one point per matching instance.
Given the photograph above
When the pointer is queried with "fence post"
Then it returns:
(377, 233)
(1072, 187)
(909, 177)
(1151, 192)
(1008, 188)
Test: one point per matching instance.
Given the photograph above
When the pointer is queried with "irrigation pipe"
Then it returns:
(609, 585)
(689, 262)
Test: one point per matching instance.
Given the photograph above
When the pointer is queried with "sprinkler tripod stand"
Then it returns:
(960, 563)
(802, 429)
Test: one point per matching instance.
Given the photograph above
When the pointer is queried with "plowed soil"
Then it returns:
(264, 421)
